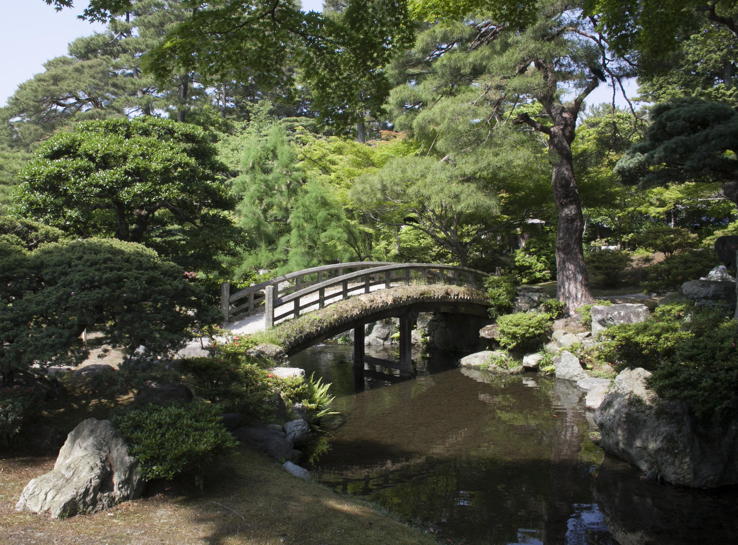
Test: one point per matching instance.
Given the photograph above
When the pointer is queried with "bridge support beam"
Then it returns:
(359, 347)
(406, 344)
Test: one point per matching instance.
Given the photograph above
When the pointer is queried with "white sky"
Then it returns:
(31, 32)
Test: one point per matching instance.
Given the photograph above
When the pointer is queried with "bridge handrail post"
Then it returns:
(270, 296)
(225, 300)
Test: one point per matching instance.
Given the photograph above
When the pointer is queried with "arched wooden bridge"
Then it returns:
(294, 294)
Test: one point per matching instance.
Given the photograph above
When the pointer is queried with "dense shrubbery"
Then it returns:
(174, 439)
(532, 267)
(678, 268)
(500, 293)
(236, 387)
(523, 331)
(121, 290)
(17, 404)
(691, 352)
(606, 268)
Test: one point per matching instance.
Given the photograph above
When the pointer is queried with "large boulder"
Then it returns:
(381, 332)
(604, 316)
(710, 293)
(663, 439)
(93, 471)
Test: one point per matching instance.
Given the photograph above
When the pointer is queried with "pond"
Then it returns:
(482, 459)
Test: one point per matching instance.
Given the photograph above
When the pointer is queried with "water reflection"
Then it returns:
(482, 459)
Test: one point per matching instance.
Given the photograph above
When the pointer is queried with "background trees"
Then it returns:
(146, 180)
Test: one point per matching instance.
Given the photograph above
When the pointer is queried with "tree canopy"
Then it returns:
(144, 180)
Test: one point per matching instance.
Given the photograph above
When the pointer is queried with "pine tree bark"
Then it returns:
(571, 272)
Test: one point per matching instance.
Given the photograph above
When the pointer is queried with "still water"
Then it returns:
(482, 459)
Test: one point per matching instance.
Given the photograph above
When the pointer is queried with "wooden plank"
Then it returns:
(269, 300)
(321, 297)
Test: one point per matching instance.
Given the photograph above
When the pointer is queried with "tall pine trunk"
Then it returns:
(571, 273)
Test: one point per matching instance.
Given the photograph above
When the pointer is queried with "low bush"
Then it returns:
(690, 351)
(678, 268)
(17, 405)
(245, 388)
(524, 331)
(235, 349)
(554, 308)
(174, 439)
(663, 238)
(647, 343)
(500, 294)
(532, 268)
(606, 268)
(502, 360)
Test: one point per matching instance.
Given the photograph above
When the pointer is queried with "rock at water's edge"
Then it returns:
(568, 367)
(92, 472)
(663, 439)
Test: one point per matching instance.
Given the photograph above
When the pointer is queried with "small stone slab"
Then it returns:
(298, 471)
(478, 359)
(624, 313)
(288, 372)
(531, 362)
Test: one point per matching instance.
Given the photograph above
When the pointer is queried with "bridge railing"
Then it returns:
(252, 299)
(316, 296)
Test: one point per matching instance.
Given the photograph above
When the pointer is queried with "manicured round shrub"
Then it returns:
(524, 331)
(174, 439)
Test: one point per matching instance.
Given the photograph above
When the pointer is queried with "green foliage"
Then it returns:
(431, 196)
(554, 308)
(174, 439)
(17, 404)
(27, 234)
(532, 268)
(234, 386)
(340, 56)
(524, 331)
(688, 139)
(500, 294)
(691, 352)
(606, 268)
(646, 344)
(502, 360)
(147, 180)
(663, 238)
(120, 289)
(316, 399)
(678, 268)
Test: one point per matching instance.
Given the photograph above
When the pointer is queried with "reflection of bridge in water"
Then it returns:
(290, 296)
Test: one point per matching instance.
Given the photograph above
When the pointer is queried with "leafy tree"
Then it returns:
(652, 30)
(144, 180)
(425, 194)
(534, 65)
(318, 228)
(703, 66)
(688, 139)
(266, 190)
(120, 289)
(340, 55)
